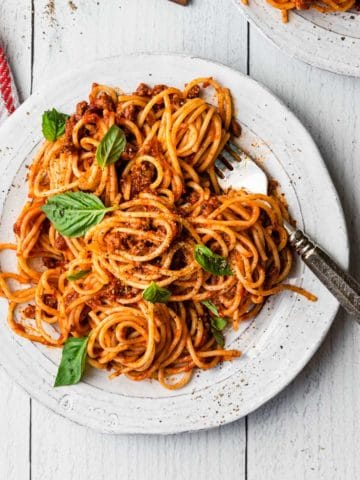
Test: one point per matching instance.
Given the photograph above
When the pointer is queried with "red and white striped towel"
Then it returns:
(8, 95)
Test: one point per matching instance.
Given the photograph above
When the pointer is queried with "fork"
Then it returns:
(236, 170)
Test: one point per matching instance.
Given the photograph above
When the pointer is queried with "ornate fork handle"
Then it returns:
(342, 285)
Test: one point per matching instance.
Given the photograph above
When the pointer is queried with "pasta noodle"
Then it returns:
(323, 6)
(164, 203)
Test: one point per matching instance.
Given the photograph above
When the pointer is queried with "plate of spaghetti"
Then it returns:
(325, 34)
(136, 296)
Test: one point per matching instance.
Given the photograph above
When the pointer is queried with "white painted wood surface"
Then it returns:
(311, 430)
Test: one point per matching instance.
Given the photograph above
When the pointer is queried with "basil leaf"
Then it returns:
(211, 262)
(219, 337)
(78, 275)
(72, 362)
(111, 146)
(53, 124)
(155, 294)
(218, 323)
(209, 304)
(73, 213)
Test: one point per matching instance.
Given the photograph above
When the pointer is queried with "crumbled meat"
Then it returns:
(104, 102)
(50, 262)
(144, 224)
(60, 242)
(69, 127)
(94, 302)
(209, 206)
(143, 90)
(116, 289)
(69, 148)
(194, 92)
(90, 117)
(177, 100)
(235, 128)
(191, 197)
(129, 152)
(29, 311)
(141, 177)
(158, 89)
(49, 300)
(140, 247)
(112, 292)
(81, 108)
(70, 297)
(130, 112)
(302, 4)
(17, 227)
(152, 148)
(116, 240)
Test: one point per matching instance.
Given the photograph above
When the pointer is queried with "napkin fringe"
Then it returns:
(8, 94)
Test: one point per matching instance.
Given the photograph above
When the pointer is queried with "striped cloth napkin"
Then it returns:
(9, 100)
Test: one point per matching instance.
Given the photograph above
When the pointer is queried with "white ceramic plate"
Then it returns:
(276, 345)
(329, 41)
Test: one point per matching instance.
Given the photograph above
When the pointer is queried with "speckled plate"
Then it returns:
(276, 345)
(330, 41)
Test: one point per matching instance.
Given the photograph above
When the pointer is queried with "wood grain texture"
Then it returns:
(62, 450)
(99, 29)
(15, 37)
(312, 428)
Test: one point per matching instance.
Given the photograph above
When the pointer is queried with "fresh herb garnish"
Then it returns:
(111, 147)
(155, 294)
(211, 262)
(209, 304)
(72, 363)
(77, 275)
(73, 213)
(219, 337)
(217, 323)
(53, 124)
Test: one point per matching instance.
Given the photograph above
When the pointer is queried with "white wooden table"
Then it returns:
(312, 429)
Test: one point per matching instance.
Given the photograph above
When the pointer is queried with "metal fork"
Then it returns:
(236, 170)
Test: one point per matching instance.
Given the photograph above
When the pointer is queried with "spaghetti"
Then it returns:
(323, 6)
(167, 226)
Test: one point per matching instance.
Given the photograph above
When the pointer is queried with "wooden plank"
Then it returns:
(66, 38)
(14, 430)
(14, 402)
(64, 450)
(312, 428)
(15, 37)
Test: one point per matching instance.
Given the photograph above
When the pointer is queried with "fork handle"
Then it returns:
(342, 285)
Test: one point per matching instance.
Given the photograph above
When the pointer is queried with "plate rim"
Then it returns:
(339, 69)
(296, 368)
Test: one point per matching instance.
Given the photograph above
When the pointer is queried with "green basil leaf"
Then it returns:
(211, 262)
(209, 304)
(219, 337)
(155, 294)
(72, 362)
(78, 275)
(73, 213)
(53, 124)
(111, 147)
(218, 323)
